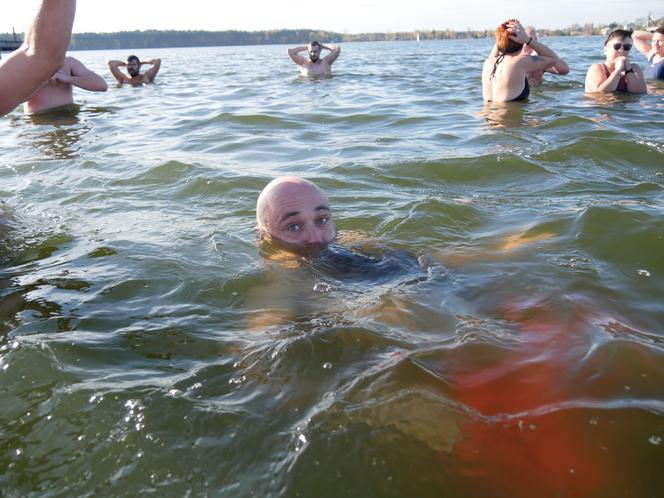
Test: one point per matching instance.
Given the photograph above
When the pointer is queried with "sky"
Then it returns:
(344, 16)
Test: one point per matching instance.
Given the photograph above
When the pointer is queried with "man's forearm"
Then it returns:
(48, 36)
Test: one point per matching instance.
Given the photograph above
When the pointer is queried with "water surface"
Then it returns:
(148, 345)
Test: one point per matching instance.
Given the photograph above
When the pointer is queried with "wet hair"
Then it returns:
(315, 43)
(505, 43)
(618, 33)
(133, 58)
(659, 30)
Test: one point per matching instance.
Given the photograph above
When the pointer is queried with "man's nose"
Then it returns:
(313, 235)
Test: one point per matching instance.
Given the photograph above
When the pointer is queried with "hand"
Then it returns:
(516, 31)
(60, 77)
(620, 63)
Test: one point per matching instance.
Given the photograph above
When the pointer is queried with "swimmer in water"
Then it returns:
(41, 55)
(536, 77)
(296, 229)
(652, 46)
(618, 73)
(314, 65)
(58, 93)
(505, 71)
(134, 76)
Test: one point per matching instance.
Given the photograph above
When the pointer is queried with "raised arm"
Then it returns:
(293, 53)
(151, 73)
(115, 66)
(82, 77)
(333, 55)
(41, 54)
(642, 41)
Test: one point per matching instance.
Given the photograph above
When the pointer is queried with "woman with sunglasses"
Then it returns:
(652, 46)
(617, 74)
(505, 71)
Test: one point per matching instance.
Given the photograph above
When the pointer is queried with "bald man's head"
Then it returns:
(296, 213)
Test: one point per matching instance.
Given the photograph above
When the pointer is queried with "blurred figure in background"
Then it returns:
(536, 77)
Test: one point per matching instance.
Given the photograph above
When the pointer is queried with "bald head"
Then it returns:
(295, 212)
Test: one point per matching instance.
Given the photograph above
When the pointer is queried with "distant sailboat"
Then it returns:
(418, 38)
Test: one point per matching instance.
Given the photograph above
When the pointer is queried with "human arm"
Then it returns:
(80, 76)
(293, 53)
(598, 82)
(642, 41)
(333, 55)
(560, 67)
(636, 81)
(545, 58)
(115, 66)
(41, 54)
(151, 73)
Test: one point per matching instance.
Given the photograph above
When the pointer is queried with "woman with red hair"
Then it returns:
(505, 72)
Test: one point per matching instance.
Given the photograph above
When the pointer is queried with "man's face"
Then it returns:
(300, 218)
(658, 43)
(314, 53)
(133, 68)
(617, 47)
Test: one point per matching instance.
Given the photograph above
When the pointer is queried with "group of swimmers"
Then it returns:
(40, 74)
(518, 60)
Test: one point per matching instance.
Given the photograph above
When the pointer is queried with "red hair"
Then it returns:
(504, 42)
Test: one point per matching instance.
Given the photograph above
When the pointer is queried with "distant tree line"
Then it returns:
(127, 40)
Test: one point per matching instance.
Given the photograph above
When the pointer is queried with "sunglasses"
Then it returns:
(626, 46)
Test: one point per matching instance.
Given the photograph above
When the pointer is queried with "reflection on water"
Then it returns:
(61, 132)
(503, 114)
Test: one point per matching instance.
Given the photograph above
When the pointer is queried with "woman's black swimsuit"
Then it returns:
(526, 87)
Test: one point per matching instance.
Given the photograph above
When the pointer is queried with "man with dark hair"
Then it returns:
(652, 46)
(134, 76)
(618, 73)
(314, 65)
(41, 55)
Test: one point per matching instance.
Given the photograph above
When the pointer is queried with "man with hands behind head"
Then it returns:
(314, 65)
(134, 76)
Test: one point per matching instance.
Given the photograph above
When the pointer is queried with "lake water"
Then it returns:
(147, 345)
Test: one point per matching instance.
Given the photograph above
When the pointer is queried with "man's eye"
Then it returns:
(293, 227)
(323, 220)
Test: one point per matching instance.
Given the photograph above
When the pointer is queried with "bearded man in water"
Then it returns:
(315, 66)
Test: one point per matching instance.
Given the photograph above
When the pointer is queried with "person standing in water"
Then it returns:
(58, 91)
(134, 76)
(618, 73)
(536, 77)
(314, 65)
(41, 55)
(505, 71)
(652, 46)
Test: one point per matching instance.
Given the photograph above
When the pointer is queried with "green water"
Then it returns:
(148, 346)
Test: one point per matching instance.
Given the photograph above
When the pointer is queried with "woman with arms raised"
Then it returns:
(505, 72)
